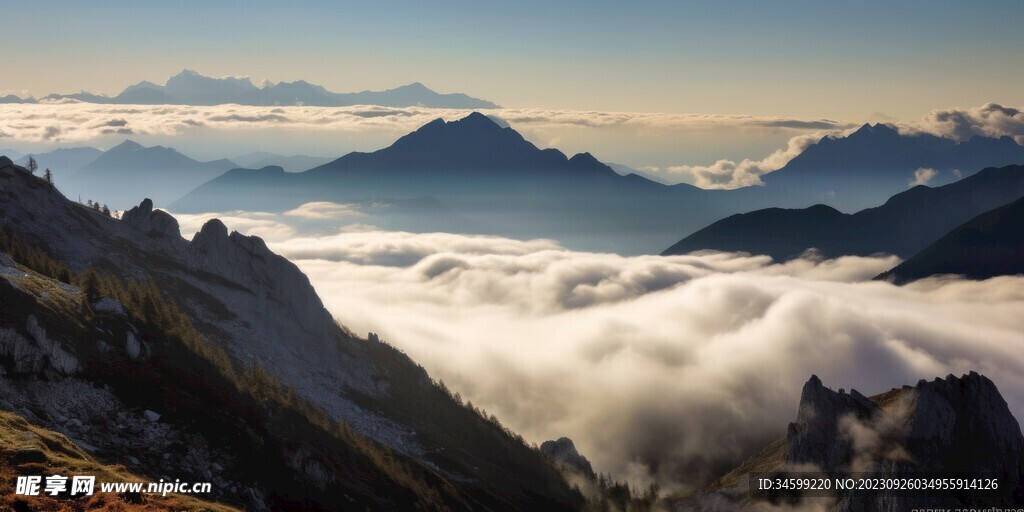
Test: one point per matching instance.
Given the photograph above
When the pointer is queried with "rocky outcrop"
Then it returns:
(154, 223)
(246, 260)
(815, 436)
(956, 427)
(952, 426)
(563, 451)
(35, 354)
(963, 424)
(109, 306)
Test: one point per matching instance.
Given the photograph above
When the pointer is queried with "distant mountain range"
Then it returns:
(293, 163)
(854, 172)
(989, 245)
(191, 88)
(904, 225)
(62, 161)
(488, 173)
(130, 171)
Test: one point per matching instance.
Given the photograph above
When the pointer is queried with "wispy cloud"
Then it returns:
(325, 210)
(729, 174)
(922, 175)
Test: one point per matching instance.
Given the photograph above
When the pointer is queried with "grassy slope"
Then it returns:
(26, 449)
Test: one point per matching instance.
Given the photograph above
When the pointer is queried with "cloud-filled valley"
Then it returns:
(660, 368)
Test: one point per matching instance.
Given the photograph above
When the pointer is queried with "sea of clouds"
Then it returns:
(667, 369)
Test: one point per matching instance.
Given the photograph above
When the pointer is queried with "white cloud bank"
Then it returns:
(664, 368)
(73, 121)
(989, 120)
(659, 368)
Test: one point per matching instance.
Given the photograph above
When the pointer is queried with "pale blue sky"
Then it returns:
(846, 60)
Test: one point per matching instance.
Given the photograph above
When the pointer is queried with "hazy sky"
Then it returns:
(852, 60)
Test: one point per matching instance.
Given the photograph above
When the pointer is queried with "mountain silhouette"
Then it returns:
(904, 225)
(63, 161)
(12, 98)
(852, 172)
(130, 171)
(492, 175)
(192, 88)
(293, 163)
(989, 245)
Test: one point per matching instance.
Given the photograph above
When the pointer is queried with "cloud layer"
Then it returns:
(72, 121)
(660, 368)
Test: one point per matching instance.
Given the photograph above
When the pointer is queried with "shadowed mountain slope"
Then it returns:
(989, 245)
(258, 308)
(904, 225)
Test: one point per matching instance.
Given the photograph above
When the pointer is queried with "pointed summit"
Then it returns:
(877, 129)
(126, 146)
(478, 120)
(415, 87)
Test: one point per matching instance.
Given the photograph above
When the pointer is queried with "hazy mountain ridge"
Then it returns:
(491, 175)
(259, 307)
(853, 172)
(292, 163)
(62, 161)
(128, 172)
(904, 225)
(191, 88)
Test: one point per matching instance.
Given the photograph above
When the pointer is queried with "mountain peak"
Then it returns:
(476, 118)
(873, 129)
(128, 145)
(584, 158)
(416, 86)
